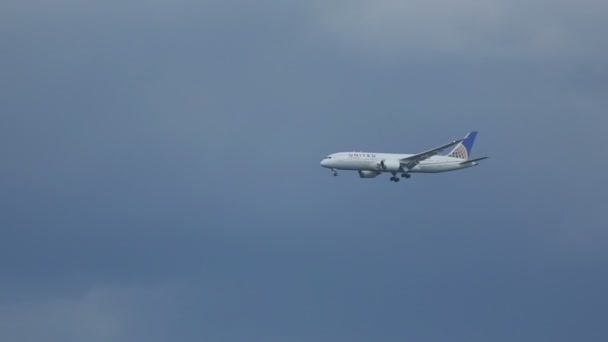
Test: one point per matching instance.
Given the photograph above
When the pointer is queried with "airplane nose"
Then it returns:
(324, 162)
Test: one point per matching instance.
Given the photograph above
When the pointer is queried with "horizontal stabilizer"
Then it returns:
(473, 160)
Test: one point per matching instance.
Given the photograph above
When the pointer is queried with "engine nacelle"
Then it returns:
(367, 174)
(390, 165)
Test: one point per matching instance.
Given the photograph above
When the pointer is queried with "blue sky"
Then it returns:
(160, 176)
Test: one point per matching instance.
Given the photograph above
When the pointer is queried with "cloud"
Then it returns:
(498, 28)
(145, 144)
(92, 316)
(116, 312)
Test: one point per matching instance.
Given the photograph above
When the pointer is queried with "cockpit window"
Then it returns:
(328, 157)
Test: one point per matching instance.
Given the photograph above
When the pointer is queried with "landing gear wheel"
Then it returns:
(335, 174)
(406, 175)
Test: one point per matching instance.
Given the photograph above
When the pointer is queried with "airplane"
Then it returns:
(370, 165)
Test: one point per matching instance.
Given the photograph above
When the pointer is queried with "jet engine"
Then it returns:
(367, 174)
(390, 165)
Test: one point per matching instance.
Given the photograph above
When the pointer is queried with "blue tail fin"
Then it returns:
(463, 150)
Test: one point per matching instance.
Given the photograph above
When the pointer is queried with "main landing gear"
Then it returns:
(394, 178)
(403, 175)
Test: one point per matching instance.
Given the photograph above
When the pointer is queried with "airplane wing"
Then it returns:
(414, 160)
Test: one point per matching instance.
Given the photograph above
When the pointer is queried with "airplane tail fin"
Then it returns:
(463, 150)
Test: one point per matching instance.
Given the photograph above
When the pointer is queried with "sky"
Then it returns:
(160, 174)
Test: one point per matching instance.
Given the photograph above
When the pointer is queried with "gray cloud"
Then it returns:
(160, 174)
(511, 30)
(92, 316)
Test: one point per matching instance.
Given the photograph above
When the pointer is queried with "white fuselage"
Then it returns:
(368, 161)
